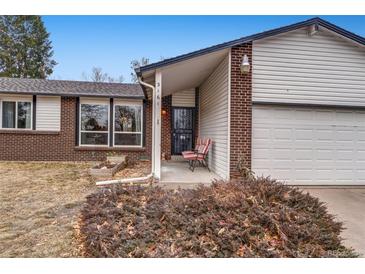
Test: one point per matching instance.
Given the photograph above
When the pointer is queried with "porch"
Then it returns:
(177, 173)
(190, 100)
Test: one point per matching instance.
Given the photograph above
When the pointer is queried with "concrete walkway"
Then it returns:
(348, 204)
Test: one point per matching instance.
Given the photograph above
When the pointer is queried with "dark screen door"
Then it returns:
(182, 129)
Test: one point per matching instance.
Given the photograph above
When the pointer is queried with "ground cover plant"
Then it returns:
(247, 218)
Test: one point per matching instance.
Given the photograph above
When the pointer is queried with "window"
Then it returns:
(94, 124)
(17, 114)
(128, 125)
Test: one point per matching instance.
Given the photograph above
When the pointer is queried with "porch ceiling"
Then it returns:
(186, 74)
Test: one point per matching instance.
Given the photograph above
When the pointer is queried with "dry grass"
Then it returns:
(39, 207)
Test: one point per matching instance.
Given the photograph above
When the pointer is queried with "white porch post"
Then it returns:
(157, 126)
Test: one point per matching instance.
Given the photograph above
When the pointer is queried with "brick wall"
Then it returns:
(241, 108)
(46, 146)
(166, 127)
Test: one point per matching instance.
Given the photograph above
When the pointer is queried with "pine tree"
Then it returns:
(25, 48)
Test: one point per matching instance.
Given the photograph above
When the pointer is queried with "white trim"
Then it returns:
(157, 124)
(16, 100)
(86, 102)
(229, 116)
(127, 103)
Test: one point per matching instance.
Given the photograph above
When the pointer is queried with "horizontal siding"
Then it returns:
(297, 68)
(102, 101)
(10, 97)
(127, 102)
(213, 117)
(184, 98)
(48, 113)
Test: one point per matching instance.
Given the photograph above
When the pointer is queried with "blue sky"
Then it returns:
(111, 42)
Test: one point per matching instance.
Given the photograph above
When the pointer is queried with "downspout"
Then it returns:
(153, 119)
(136, 179)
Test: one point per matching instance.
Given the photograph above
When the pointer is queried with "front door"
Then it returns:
(182, 129)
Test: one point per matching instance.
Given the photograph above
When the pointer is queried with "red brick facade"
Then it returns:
(241, 108)
(60, 146)
(166, 127)
(50, 146)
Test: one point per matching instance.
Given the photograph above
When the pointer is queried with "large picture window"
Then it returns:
(128, 125)
(94, 124)
(16, 115)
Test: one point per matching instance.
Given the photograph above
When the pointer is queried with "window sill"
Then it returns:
(99, 148)
(28, 132)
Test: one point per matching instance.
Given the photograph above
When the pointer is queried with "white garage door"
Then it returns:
(304, 146)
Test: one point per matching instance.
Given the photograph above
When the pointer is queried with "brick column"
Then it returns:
(166, 127)
(241, 108)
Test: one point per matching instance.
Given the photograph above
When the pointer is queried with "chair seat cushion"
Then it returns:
(187, 152)
(193, 156)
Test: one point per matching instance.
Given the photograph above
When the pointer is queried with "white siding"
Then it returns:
(90, 100)
(309, 146)
(185, 98)
(319, 69)
(127, 102)
(48, 113)
(213, 117)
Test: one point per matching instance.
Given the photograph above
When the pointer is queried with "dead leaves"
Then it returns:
(253, 218)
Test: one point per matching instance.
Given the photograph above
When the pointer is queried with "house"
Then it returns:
(291, 101)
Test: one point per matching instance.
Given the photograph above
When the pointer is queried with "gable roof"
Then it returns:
(316, 20)
(70, 88)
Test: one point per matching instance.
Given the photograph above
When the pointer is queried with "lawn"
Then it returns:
(39, 206)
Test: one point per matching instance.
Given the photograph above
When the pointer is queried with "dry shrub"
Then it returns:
(252, 218)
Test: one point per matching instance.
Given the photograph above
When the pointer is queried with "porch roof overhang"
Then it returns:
(186, 74)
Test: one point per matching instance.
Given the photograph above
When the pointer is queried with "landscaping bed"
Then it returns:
(251, 218)
(134, 169)
(106, 169)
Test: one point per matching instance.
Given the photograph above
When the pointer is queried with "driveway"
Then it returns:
(348, 205)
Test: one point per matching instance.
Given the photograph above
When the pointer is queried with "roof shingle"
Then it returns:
(69, 88)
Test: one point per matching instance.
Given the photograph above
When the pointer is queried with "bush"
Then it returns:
(253, 218)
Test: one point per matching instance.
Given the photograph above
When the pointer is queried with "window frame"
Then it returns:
(87, 102)
(128, 103)
(16, 101)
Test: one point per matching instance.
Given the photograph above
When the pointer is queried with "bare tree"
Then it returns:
(97, 75)
(136, 64)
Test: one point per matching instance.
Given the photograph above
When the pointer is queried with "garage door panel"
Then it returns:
(324, 155)
(281, 154)
(325, 135)
(309, 145)
(282, 133)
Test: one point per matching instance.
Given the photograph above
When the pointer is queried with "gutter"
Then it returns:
(137, 179)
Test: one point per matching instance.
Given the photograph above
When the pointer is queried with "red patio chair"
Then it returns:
(200, 156)
(198, 144)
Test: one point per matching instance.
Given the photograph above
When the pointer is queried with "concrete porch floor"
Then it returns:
(175, 173)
